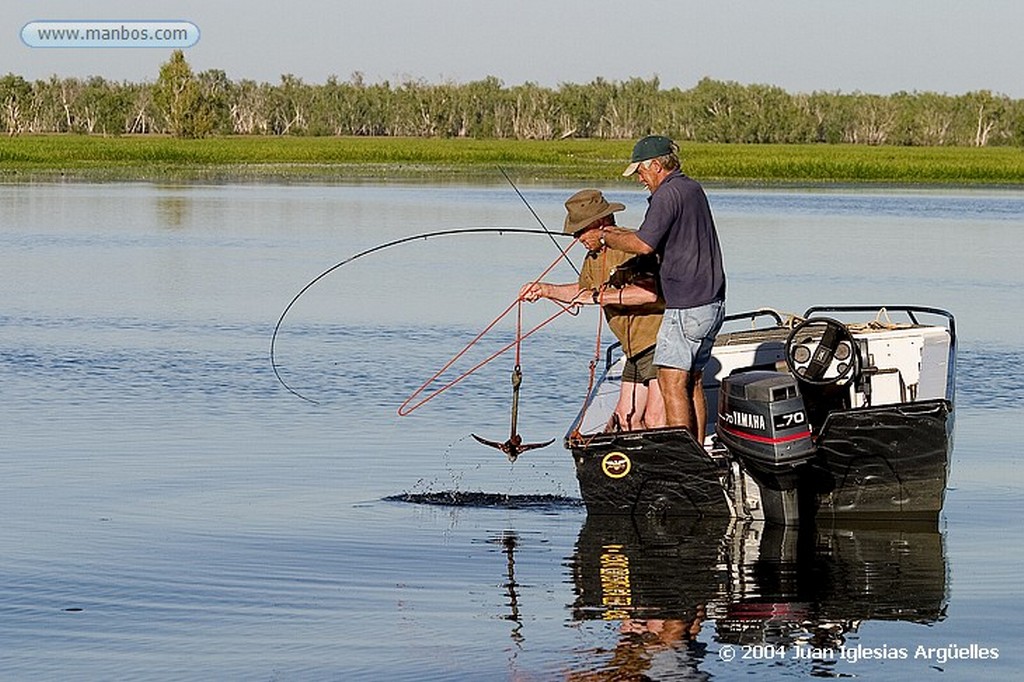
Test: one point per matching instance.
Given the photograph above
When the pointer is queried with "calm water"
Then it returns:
(170, 512)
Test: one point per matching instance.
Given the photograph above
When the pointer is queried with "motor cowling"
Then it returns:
(763, 422)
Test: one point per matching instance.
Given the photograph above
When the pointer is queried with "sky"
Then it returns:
(872, 46)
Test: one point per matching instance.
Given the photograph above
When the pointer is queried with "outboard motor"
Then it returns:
(763, 422)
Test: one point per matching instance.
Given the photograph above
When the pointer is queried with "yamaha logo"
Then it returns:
(745, 420)
(616, 465)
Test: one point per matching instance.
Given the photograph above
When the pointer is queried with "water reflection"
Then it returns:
(173, 211)
(508, 540)
(759, 584)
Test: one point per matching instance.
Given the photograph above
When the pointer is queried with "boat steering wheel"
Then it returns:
(822, 351)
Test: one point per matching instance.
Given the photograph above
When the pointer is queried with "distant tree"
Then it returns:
(583, 108)
(934, 120)
(180, 99)
(101, 105)
(716, 109)
(289, 106)
(15, 98)
(1015, 118)
(476, 105)
(214, 93)
(825, 115)
(140, 112)
(248, 108)
(629, 112)
(988, 111)
(874, 121)
(47, 113)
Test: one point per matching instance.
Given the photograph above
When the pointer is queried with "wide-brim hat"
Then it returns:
(650, 147)
(585, 207)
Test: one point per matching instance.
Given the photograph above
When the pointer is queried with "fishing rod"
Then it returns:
(375, 249)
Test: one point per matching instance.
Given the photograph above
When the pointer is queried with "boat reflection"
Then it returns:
(757, 583)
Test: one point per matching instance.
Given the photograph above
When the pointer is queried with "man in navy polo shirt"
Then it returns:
(679, 227)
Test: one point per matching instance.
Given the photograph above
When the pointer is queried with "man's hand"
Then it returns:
(532, 291)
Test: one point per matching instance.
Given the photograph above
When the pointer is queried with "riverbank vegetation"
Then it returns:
(204, 125)
(601, 161)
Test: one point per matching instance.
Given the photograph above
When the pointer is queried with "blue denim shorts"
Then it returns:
(687, 335)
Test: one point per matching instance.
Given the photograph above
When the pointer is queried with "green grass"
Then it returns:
(152, 157)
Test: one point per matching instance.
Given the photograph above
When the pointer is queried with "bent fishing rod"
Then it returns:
(375, 249)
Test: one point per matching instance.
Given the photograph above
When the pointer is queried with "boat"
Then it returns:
(842, 412)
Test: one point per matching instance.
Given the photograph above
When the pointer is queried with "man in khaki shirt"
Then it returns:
(625, 286)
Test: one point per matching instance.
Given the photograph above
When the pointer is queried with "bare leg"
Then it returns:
(675, 389)
(700, 406)
(654, 415)
(630, 408)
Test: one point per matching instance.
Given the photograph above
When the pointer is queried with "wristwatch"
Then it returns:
(597, 297)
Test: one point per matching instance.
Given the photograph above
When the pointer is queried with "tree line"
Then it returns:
(183, 103)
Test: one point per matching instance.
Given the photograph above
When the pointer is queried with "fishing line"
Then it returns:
(381, 247)
(537, 217)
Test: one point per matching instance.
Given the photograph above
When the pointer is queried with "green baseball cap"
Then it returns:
(650, 147)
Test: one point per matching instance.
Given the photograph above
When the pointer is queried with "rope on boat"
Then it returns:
(592, 375)
(882, 321)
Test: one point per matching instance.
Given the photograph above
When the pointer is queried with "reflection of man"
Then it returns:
(625, 287)
(641, 641)
(664, 631)
(678, 226)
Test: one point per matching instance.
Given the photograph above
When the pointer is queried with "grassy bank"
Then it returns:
(155, 158)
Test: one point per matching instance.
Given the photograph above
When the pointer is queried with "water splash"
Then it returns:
(480, 499)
